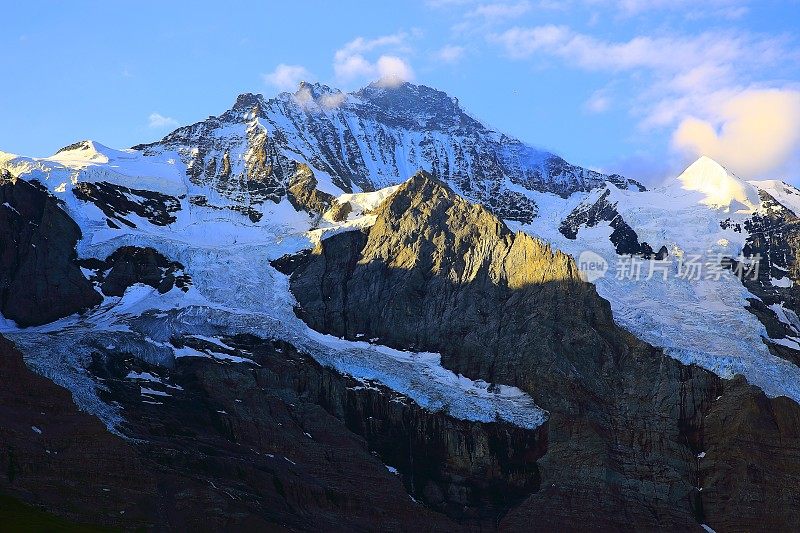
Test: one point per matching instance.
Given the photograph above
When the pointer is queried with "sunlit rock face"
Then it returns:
(438, 273)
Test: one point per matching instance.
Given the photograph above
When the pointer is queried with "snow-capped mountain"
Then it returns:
(295, 165)
(129, 275)
(367, 140)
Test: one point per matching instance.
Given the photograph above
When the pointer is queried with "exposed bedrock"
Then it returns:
(39, 278)
(626, 422)
(129, 265)
(117, 202)
(623, 237)
(284, 440)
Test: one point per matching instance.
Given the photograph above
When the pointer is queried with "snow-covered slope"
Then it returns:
(89, 161)
(234, 289)
(698, 314)
(787, 195)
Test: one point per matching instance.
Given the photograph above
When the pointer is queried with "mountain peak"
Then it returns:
(85, 145)
(379, 92)
(720, 187)
(86, 150)
(319, 94)
(246, 102)
(316, 89)
(427, 106)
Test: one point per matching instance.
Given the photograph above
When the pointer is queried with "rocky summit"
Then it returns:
(368, 311)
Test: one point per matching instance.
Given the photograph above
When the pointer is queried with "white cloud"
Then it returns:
(350, 62)
(449, 53)
(755, 133)
(157, 120)
(625, 9)
(305, 98)
(690, 84)
(331, 101)
(393, 71)
(729, 9)
(483, 17)
(351, 67)
(675, 54)
(360, 45)
(286, 77)
(703, 90)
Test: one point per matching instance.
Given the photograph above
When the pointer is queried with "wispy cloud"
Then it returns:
(483, 17)
(672, 53)
(727, 9)
(495, 12)
(692, 84)
(286, 77)
(351, 61)
(157, 121)
(598, 102)
(449, 53)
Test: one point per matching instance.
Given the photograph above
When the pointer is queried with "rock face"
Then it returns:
(278, 443)
(39, 278)
(750, 464)
(54, 456)
(130, 264)
(773, 236)
(627, 423)
(117, 202)
(368, 140)
(304, 195)
(623, 237)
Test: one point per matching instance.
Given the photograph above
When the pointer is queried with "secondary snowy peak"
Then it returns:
(82, 153)
(368, 140)
(719, 187)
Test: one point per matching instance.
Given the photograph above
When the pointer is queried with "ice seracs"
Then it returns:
(719, 187)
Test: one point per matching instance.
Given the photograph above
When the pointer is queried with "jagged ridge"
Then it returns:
(367, 140)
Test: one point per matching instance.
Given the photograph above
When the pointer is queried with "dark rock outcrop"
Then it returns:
(303, 194)
(131, 264)
(623, 237)
(279, 443)
(39, 278)
(283, 440)
(58, 458)
(749, 468)
(773, 241)
(626, 422)
(117, 202)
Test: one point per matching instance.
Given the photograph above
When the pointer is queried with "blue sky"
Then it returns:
(633, 86)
